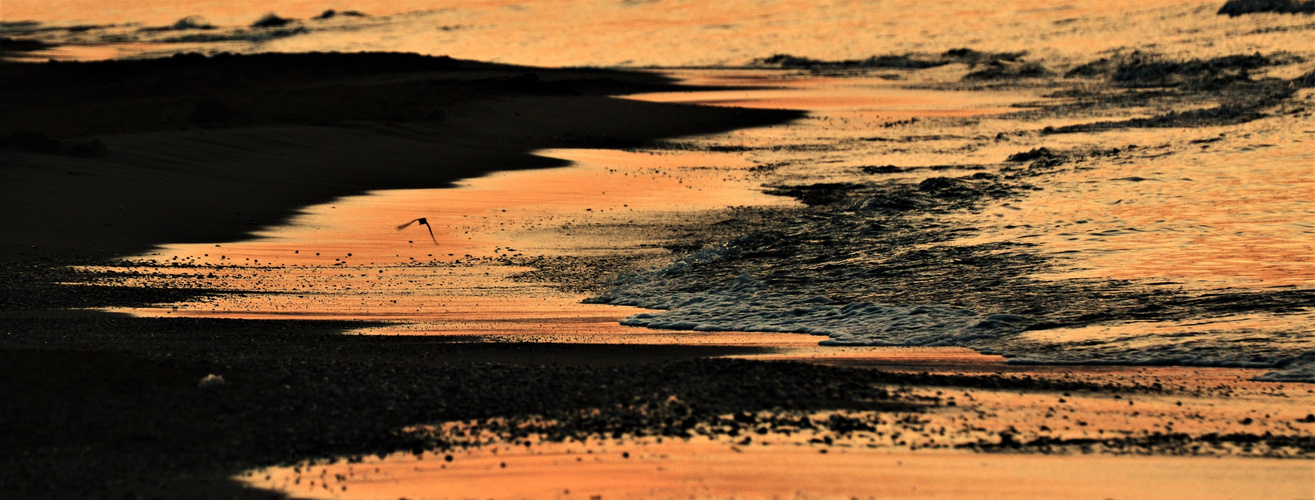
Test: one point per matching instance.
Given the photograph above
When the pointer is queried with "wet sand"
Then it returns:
(1115, 443)
(706, 469)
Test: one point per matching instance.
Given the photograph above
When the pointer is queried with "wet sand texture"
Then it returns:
(711, 470)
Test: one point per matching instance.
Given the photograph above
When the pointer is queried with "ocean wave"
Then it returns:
(192, 30)
(749, 304)
(819, 274)
(746, 304)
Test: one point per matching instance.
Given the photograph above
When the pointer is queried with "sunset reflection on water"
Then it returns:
(676, 32)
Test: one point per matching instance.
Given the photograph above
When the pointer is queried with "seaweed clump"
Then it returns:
(1002, 70)
(905, 61)
(1146, 70)
(185, 24)
(271, 20)
(972, 58)
(330, 14)
(1242, 91)
(1234, 8)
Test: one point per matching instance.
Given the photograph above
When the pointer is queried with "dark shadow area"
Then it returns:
(16, 49)
(112, 407)
(107, 159)
(1234, 8)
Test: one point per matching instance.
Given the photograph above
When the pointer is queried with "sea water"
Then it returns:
(643, 33)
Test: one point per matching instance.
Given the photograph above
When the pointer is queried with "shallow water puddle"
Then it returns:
(700, 468)
(855, 96)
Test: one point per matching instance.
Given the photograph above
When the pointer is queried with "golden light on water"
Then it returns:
(686, 32)
(1193, 212)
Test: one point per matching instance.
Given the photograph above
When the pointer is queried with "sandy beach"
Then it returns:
(1063, 263)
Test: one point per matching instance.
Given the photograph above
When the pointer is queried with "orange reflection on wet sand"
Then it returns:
(525, 212)
(347, 260)
(904, 455)
(701, 468)
(862, 95)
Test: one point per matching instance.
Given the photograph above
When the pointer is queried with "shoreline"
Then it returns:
(245, 159)
(113, 404)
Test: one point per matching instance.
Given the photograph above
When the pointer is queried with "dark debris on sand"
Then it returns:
(997, 65)
(1138, 69)
(1157, 443)
(272, 20)
(1218, 91)
(111, 406)
(330, 14)
(1234, 8)
(1002, 70)
(39, 286)
(185, 24)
